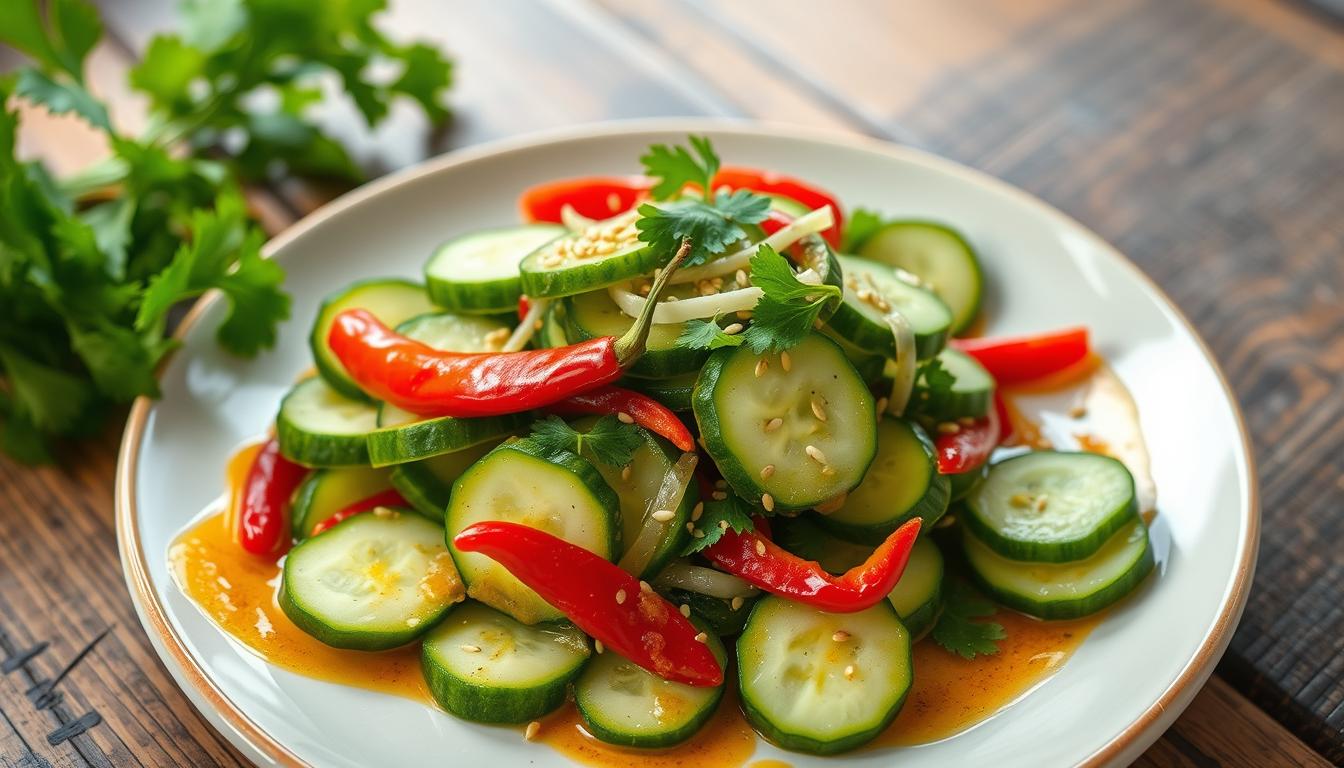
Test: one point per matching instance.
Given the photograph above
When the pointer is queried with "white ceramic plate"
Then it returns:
(1125, 685)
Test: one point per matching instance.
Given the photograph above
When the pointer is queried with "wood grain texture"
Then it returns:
(1195, 134)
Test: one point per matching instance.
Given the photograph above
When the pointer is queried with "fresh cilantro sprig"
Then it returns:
(788, 308)
(720, 516)
(957, 630)
(713, 222)
(610, 441)
(92, 264)
(707, 334)
(932, 393)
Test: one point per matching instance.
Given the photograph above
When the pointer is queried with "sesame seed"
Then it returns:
(840, 636)
(785, 361)
(767, 471)
(744, 314)
(966, 421)
(645, 588)
(733, 328)
(690, 527)
(768, 502)
(1020, 500)
(533, 728)
(697, 510)
(849, 672)
(702, 638)
(413, 622)
(723, 525)
(698, 534)
(818, 409)
(468, 648)
(721, 483)
(948, 428)
(663, 515)
(626, 471)
(598, 646)
(761, 366)
(1041, 501)
(718, 495)
(827, 470)
(620, 597)
(625, 418)
(686, 610)
(736, 604)
(1077, 412)
(815, 454)
(882, 404)
(773, 424)
(740, 277)
(614, 202)
(384, 513)
(760, 547)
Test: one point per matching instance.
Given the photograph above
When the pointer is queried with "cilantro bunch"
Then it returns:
(92, 264)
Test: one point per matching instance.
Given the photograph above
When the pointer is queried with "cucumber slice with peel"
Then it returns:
(603, 254)
(903, 482)
(939, 256)
(319, 427)
(808, 691)
(457, 333)
(872, 290)
(1064, 590)
(478, 272)
(328, 491)
(403, 437)
(391, 300)
(372, 582)
(594, 314)
(427, 485)
(554, 491)
(1052, 506)
(484, 666)
(807, 416)
(972, 392)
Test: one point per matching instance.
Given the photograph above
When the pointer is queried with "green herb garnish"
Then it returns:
(958, 632)
(610, 441)
(718, 517)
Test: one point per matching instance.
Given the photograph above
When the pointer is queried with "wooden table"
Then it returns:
(1205, 138)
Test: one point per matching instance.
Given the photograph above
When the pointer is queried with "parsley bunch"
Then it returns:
(92, 264)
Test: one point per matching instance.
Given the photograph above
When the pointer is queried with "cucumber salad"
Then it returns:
(681, 431)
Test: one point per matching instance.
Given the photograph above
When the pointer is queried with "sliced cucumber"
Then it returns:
(963, 483)
(372, 582)
(484, 666)
(1052, 506)
(637, 485)
(718, 614)
(554, 491)
(672, 391)
(939, 256)
(606, 253)
(1065, 590)
(428, 484)
(903, 482)
(972, 392)
(391, 300)
(457, 333)
(328, 491)
(735, 408)
(594, 314)
(479, 272)
(319, 427)
(623, 704)
(804, 537)
(807, 691)
(870, 365)
(871, 291)
(552, 332)
(403, 437)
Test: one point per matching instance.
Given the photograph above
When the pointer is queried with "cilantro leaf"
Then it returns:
(706, 334)
(60, 97)
(51, 398)
(788, 309)
(862, 224)
(956, 631)
(71, 30)
(610, 440)
(933, 390)
(719, 516)
(711, 227)
(675, 167)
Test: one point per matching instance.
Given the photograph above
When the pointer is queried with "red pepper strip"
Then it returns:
(596, 197)
(772, 183)
(264, 508)
(756, 559)
(970, 446)
(524, 305)
(389, 498)
(1016, 359)
(430, 382)
(601, 599)
(647, 412)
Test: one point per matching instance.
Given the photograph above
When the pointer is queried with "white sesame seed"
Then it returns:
(620, 597)
(948, 428)
(685, 610)
(1020, 500)
(737, 603)
(723, 525)
(815, 454)
(840, 636)
(767, 471)
(761, 366)
(744, 314)
(626, 471)
(625, 418)
(702, 638)
(849, 672)
(785, 361)
(818, 409)
(469, 648)
(697, 510)
(773, 424)
(384, 513)
(760, 547)
(698, 534)
(768, 502)
(721, 484)
(598, 646)
(690, 526)
(733, 328)
(1041, 501)
(718, 495)
(645, 588)
(740, 277)
(533, 728)
(882, 404)
(663, 515)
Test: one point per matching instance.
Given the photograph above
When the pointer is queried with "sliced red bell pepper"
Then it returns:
(1017, 359)
(970, 446)
(601, 599)
(595, 197)
(646, 412)
(263, 513)
(754, 558)
(772, 183)
(389, 498)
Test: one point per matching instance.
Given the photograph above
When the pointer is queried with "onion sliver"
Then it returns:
(705, 581)
(807, 224)
(698, 307)
(903, 383)
(527, 326)
(573, 220)
(639, 552)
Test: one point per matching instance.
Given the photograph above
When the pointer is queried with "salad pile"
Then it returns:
(680, 431)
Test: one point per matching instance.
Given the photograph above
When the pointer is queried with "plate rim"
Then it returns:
(167, 643)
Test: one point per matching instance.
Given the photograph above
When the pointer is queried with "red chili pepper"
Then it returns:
(754, 558)
(389, 498)
(524, 305)
(970, 446)
(264, 508)
(430, 382)
(1017, 359)
(596, 197)
(601, 599)
(772, 183)
(647, 412)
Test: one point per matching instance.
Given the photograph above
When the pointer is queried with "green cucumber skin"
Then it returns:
(422, 490)
(335, 376)
(931, 506)
(588, 276)
(673, 391)
(923, 619)
(300, 508)
(964, 402)
(484, 297)
(1059, 610)
(432, 437)
(798, 743)
(849, 323)
(653, 364)
(319, 450)
(716, 613)
(963, 483)
(959, 325)
(1055, 551)
(488, 704)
